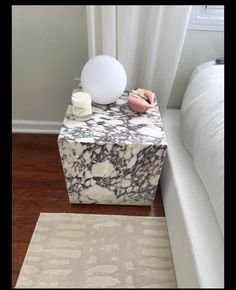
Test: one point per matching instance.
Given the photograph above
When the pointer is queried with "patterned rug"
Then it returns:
(98, 251)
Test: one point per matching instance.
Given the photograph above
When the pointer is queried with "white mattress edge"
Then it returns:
(204, 233)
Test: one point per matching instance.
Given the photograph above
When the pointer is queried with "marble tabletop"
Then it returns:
(115, 123)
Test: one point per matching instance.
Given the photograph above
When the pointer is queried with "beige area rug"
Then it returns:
(98, 251)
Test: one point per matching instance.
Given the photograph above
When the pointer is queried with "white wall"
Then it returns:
(199, 47)
(49, 48)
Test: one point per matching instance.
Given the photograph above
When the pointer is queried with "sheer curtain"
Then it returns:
(147, 40)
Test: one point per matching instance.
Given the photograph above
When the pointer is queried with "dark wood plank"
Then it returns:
(39, 186)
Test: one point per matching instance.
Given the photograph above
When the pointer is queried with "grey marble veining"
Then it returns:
(115, 157)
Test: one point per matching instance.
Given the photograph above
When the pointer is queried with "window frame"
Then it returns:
(201, 20)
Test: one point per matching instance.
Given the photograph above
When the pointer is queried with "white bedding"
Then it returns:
(202, 121)
(196, 239)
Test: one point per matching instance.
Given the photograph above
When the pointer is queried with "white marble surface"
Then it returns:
(115, 157)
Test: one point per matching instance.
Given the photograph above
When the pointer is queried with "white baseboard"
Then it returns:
(38, 127)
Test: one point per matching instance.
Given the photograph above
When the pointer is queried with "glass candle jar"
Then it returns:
(81, 104)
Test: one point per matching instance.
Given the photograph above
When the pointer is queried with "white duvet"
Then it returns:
(202, 119)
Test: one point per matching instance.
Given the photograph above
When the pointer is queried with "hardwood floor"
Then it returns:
(39, 186)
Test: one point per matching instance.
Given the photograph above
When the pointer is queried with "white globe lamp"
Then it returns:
(104, 78)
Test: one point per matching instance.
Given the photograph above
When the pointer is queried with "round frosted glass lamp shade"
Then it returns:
(104, 78)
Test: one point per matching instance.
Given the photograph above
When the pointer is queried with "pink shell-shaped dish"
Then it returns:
(139, 105)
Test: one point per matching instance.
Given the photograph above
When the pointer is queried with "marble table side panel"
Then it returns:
(111, 173)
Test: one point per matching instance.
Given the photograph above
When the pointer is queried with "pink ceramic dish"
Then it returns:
(139, 105)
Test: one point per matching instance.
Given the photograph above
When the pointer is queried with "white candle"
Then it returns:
(81, 102)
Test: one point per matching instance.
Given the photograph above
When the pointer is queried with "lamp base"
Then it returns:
(101, 105)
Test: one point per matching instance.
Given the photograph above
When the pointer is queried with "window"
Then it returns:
(207, 17)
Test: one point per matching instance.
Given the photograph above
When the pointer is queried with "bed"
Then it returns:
(192, 180)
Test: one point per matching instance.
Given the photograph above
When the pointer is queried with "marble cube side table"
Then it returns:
(115, 157)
